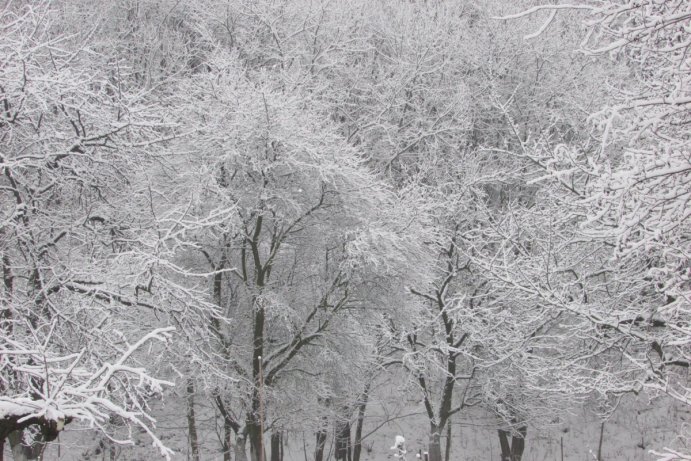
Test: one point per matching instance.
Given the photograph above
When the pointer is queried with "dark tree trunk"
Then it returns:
(254, 429)
(12, 429)
(434, 444)
(439, 418)
(518, 444)
(255, 437)
(191, 421)
(599, 445)
(227, 439)
(361, 409)
(276, 446)
(505, 445)
(321, 443)
(230, 425)
(240, 446)
(254, 423)
(447, 451)
(343, 448)
(22, 452)
(512, 447)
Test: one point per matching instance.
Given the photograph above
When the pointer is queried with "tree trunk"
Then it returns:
(361, 409)
(23, 452)
(255, 437)
(434, 444)
(229, 425)
(191, 421)
(321, 443)
(227, 439)
(518, 444)
(505, 445)
(254, 424)
(447, 451)
(599, 445)
(512, 449)
(240, 446)
(343, 448)
(276, 446)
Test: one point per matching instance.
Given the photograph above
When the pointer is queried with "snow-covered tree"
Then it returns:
(635, 181)
(84, 280)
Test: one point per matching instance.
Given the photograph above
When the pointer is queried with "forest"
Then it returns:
(247, 229)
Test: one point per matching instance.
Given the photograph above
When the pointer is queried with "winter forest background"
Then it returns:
(312, 225)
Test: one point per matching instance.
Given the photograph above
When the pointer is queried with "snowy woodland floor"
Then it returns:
(629, 435)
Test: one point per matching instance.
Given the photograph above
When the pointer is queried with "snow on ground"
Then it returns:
(635, 428)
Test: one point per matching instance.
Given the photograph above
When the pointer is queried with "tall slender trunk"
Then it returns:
(434, 443)
(512, 446)
(254, 431)
(518, 444)
(254, 436)
(599, 445)
(447, 451)
(261, 273)
(343, 448)
(241, 446)
(254, 425)
(230, 425)
(504, 444)
(191, 421)
(276, 446)
(361, 409)
(321, 443)
(227, 439)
